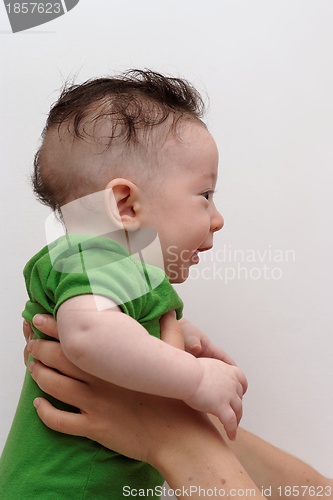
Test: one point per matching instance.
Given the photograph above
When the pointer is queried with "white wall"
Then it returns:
(267, 69)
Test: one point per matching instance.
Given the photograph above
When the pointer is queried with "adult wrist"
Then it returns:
(187, 445)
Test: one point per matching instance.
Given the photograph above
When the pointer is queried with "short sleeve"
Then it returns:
(100, 267)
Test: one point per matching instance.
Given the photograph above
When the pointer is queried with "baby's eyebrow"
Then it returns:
(207, 176)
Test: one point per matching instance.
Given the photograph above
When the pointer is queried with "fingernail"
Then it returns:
(29, 339)
(29, 345)
(39, 320)
(36, 403)
(31, 366)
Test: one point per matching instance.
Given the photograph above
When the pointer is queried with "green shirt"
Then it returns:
(38, 463)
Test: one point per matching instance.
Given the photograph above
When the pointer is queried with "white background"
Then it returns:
(267, 69)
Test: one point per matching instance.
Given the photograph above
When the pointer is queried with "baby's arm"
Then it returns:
(113, 346)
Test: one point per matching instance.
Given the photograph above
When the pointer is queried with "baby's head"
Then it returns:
(139, 136)
(107, 128)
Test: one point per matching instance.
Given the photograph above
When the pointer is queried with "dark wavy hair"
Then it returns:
(131, 103)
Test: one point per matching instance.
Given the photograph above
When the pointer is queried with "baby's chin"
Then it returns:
(178, 277)
(177, 281)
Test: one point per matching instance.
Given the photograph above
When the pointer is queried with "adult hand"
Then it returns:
(171, 330)
(28, 334)
(198, 344)
(106, 409)
(175, 439)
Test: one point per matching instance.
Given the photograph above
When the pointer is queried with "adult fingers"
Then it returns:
(193, 343)
(28, 334)
(46, 324)
(67, 390)
(51, 355)
(171, 331)
(27, 330)
(60, 421)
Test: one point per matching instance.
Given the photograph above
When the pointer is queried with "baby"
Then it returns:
(131, 169)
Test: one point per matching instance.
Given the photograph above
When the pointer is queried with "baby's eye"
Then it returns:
(208, 195)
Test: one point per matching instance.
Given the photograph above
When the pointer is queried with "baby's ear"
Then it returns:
(121, 199)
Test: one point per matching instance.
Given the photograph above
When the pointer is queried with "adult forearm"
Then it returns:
(196, 461)
(274, 470)
(181, 443)
(277, 471)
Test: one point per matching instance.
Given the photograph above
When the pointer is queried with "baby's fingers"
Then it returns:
(242, 379)
(229, 421)
(237, 407)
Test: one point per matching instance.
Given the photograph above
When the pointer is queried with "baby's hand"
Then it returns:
(220, 392)
(200, 346)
